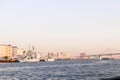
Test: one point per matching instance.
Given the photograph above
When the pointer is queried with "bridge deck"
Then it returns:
(104, 54)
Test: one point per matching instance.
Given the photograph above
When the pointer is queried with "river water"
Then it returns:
(61, 70)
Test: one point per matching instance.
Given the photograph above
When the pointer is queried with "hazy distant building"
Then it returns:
(42, 56)
(57, 55)
(51, 55)
(5, 51)
(63, 55)
(82, 55)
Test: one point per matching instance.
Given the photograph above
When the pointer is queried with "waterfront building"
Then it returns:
(10, 51)
(5, 51)
(20, 53)
(14, 51)
(63, 55)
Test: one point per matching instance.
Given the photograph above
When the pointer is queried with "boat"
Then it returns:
(30, 56)
(29, 59)
(50, 59)
(105, 59)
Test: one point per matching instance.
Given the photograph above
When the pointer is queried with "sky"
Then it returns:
(70, 26)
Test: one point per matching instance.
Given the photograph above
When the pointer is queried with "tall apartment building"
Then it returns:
(5, 50)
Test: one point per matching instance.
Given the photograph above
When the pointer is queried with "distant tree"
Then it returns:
(6, 57)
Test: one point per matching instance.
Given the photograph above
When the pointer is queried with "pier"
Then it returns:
(8, 61)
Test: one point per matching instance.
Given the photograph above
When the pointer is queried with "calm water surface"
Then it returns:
(60, 70)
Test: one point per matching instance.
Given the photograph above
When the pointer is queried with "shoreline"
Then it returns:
(8, 61)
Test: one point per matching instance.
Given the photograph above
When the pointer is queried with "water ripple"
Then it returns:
(60, 70)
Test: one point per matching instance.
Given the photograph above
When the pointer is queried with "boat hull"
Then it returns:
(51, 60)
(29, 60)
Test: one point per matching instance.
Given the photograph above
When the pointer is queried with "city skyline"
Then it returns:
(61, 26)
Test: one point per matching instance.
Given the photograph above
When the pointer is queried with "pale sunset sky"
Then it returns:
(70, 26)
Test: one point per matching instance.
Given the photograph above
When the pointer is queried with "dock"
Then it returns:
(8, 61)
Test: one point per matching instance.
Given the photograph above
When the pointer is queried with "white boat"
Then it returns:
(30, 56)
(50, 59)
(28, 59)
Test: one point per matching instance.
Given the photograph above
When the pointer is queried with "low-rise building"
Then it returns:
(20, 53)
(14, 51)
(10, 52)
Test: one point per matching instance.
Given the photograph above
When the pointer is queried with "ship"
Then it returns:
(29, 59)
(50, 59)
(30, 56)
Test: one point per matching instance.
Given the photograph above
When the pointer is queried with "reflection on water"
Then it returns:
(61, 70)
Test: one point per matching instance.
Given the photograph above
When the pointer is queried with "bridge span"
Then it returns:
(104, 54)
(100, 56)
